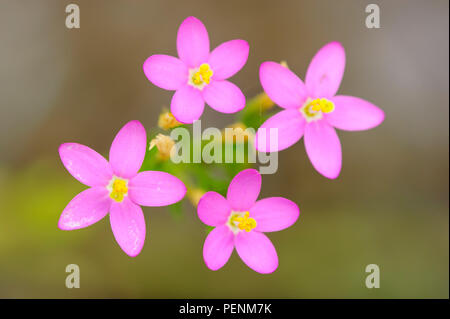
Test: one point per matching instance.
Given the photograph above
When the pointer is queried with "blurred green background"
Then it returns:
(389, 206)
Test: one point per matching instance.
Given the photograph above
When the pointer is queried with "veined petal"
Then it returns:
(228, 58)
(166, 71)
(218, 247)
(128, 149)
(224, 96)
(354, 114)
(325, 72)
(213, 209)
(323, 148)
(274, 214)
(154, 188)
(128, 226)
(85, 164)
(187, 104)
(290, 125)
(244, 190)
(256, 251)
(85, 209)
(193, 42)
(282, 85)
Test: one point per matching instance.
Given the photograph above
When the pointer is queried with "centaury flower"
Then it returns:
(199, 76)
(240, 221)
(117, 187)
(312, 109)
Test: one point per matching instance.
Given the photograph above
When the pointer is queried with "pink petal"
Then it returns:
(256, 251)
(153, 188)
(354, 114)
(290, 125)
(85, 164)
(187, 104)
(193, 42)
(224, 97)
(128, 149)
(85, 209)
(218, 247)
(244, 190)
(326, 70)
(213, 209)
(274, 214)
(128, 226)
(166, 71)
(282, 85)
(323, 148)
(228, 58)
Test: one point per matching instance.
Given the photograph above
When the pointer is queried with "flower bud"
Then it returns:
(164, 144)
(167, 121)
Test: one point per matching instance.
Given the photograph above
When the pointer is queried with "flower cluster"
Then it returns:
(311, 109)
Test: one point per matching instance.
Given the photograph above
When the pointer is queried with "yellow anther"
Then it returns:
(204, 67)
(318, 105)
(119, 190)
(328, 107)
(196, 78)
(203, 75)
(244, 222)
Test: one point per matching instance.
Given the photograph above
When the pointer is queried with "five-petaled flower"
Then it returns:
(117, 187)
(240, 221)
(312, 109)
(199, 76)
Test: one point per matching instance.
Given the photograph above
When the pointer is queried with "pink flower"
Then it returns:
(313, 110)
(117, 187)
(199, 76)
(240, 221)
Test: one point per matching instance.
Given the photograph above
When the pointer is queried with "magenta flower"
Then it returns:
(240, 221)
(117, 187)
(199, 76)
(313, 110)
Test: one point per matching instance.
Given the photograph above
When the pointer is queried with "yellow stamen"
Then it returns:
(119, 190)
(203, 75)
(243, 222)
(324, 105)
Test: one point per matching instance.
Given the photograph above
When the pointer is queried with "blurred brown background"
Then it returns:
(389, 206)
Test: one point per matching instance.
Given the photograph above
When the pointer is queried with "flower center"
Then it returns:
(118, 188)
(241, 221)
(200, 77)
(313, 110)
